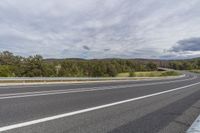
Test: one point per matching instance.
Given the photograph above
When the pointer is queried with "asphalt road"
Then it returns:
(151, 106)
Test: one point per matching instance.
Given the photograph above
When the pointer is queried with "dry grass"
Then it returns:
(150, 74)
(195, 71)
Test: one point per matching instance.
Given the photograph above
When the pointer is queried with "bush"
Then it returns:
(6, 71)
(132, 74)
(170, 73)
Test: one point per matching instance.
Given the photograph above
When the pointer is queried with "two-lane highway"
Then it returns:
(149, 106)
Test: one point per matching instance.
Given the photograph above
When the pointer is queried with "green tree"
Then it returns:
(6, 71)
(151, 66)
(33, 66)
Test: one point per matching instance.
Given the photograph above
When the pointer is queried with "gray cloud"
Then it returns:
(106, 50)
(98, 28)
(191, 44)
(86, 47)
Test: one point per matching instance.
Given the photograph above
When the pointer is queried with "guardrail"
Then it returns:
(60, 79)
(3, 79)
(195, 128)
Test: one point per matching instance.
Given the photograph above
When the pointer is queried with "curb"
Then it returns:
(195, 128)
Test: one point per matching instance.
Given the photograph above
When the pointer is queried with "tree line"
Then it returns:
(189, 64)
(35, 66)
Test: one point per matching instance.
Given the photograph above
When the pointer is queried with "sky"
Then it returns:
(159, 29)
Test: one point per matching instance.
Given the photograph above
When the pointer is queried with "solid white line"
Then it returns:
(56, 92)
(11, 127)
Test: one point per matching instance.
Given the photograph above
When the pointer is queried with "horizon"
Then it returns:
(64, 58)
(101, 29)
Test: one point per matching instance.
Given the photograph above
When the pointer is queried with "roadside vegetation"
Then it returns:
(190, 64)
(35, 66)
(149, 74)
(195, 71)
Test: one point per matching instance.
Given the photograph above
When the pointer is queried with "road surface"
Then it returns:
(164, 106)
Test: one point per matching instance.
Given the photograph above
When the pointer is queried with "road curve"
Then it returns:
(151, 106)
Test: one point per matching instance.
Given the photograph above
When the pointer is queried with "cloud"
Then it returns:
(98, 28)
(106, 50)
(191, 44)
(86, 47)
(185, 48)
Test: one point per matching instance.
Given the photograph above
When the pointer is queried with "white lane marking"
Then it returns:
(28, 123)
(56, 92)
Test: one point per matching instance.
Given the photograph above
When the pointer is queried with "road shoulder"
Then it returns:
(183, 122)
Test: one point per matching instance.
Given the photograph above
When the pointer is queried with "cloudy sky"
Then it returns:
(162, 29)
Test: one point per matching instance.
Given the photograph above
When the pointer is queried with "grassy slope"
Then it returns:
(150, 74)
(195, 71)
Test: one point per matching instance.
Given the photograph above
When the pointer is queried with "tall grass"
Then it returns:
(149, 74)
